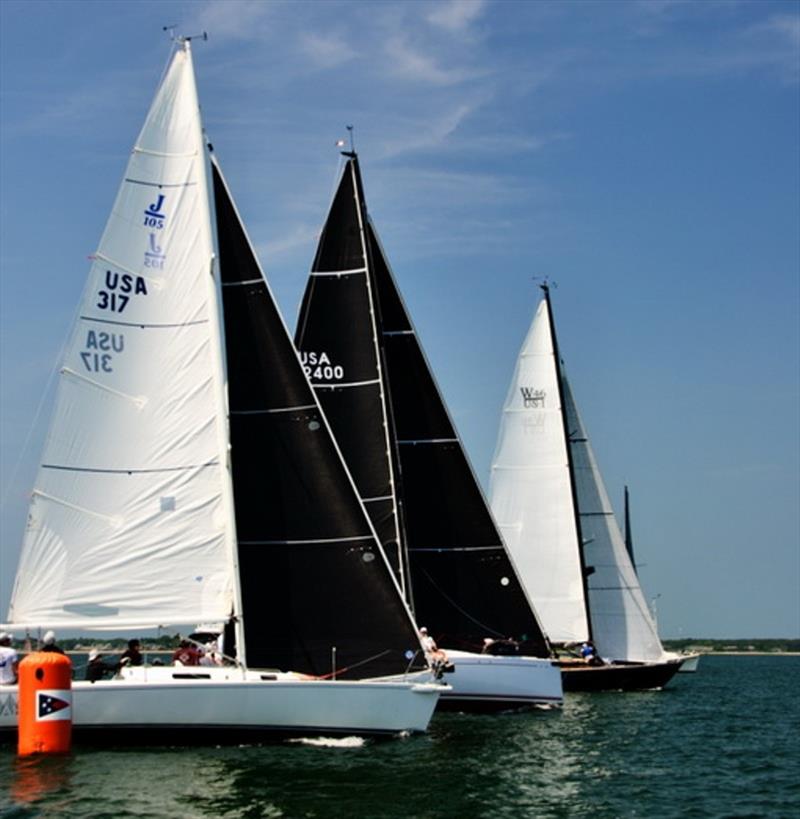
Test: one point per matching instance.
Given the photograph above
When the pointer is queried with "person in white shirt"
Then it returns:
(9, 660)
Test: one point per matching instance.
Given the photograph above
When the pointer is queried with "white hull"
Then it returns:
(488, 682)
(210, 701)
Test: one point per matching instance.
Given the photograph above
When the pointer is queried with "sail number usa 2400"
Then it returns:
(318, 367)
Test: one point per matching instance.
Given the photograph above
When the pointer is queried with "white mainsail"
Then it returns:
(622, 626)
(129, 522)
(530, 491)
(533, 499)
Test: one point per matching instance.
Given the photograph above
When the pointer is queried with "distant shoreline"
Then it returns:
(750, 653)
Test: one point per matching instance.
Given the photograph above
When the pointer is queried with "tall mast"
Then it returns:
(404, 577)
(568, 440)
(220, 375)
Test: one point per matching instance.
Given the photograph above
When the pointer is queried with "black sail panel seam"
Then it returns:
(332, 385)
(445, 549)
(338, 273)
(307, 541)
(240, 283)
(413, 441)
(273, 410)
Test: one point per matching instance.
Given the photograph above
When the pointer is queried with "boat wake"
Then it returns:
(331, 742)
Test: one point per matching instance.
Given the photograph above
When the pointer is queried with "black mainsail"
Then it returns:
(396, 434)
(313, 577)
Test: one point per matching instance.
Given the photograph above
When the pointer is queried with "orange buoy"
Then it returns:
(45, 704)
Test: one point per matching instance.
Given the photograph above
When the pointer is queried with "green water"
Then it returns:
(724, 742)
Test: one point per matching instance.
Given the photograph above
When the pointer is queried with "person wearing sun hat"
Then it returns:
(96, 669)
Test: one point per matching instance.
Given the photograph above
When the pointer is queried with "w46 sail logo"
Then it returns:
(531, 398)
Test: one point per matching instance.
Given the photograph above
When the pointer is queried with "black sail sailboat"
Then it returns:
(311, 575)
(366, 364)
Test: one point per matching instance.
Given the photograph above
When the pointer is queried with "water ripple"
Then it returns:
(720, 743)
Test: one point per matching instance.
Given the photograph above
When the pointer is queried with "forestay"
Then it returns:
(530, 489)
(128, 523)
(622, 626)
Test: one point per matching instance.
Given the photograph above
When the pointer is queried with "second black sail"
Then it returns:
(369, 371)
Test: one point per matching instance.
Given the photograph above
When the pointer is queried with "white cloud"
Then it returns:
(426, 133)
(456, 15)
(299, 235)
(410, 64)
(239, 19)
(785, 27)
(326, 51)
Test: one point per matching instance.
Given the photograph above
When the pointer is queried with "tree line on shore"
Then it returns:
(707, 645)
(169, 642)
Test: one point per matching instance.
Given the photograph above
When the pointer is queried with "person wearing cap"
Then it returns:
(49, 643)
(96, 669)
(9, 660)
(433, 652)
(132, 655)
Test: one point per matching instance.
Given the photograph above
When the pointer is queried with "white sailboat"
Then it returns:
(550, 503)
(189, 475)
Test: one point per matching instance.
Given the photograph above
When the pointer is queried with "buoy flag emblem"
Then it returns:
(53, 705)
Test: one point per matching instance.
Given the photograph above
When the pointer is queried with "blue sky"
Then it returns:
(644, 155)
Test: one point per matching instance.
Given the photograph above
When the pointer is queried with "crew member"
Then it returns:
(132, 655)
(96, 669)
(9, 660)
(49, 643)
(187, 654)
(433, 652)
